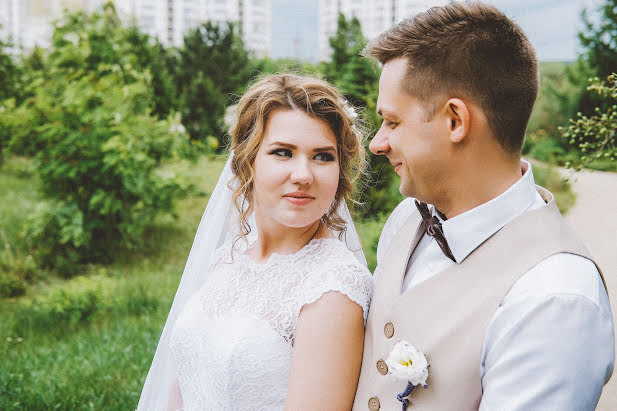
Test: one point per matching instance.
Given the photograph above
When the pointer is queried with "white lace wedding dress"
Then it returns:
(231, 345)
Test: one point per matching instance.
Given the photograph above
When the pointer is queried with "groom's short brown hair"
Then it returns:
(470, 51)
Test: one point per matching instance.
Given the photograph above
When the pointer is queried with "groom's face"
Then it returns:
(411, 138)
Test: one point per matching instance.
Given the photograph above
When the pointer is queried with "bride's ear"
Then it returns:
(458, 119)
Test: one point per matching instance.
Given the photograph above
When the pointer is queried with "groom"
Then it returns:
(486, 280)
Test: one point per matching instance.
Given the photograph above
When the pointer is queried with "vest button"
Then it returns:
(388, 330)
(373, 404)
(382, 367)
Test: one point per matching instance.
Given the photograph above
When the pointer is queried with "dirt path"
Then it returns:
(594, 217)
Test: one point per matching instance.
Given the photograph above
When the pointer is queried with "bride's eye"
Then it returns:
(281, 152)
(324, 157)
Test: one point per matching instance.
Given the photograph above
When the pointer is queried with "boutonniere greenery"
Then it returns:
(406, 363)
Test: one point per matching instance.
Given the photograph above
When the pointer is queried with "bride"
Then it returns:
(270, 310)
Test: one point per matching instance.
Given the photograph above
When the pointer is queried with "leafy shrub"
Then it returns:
(97, 146)
(9, 88)
(11, 285)
(596, 135)
(15, 271)
(598, 40)
(61, 250)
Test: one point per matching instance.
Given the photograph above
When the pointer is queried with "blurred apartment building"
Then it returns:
(28, 22)
(374, 16)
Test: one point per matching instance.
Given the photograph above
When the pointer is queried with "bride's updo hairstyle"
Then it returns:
(317, 99)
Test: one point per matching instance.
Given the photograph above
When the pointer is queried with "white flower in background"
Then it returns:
(73, 38)
(177, 128)
(405, 362)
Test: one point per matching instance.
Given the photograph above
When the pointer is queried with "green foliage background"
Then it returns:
(570, 89)
(88, 124)
(101, 137)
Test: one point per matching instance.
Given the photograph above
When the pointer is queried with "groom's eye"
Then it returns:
(281, 152)
(390, 124)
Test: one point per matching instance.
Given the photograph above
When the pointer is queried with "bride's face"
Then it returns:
(296, 170)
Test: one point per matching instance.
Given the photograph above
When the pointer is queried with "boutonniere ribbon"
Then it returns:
(405, 362)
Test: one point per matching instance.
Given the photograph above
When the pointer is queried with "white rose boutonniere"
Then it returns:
(405, 362)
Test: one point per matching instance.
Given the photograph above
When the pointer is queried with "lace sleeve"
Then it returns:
(351, 279)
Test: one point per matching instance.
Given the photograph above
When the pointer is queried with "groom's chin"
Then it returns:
(405, 190)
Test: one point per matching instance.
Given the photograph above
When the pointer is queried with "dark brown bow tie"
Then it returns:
(433, 228)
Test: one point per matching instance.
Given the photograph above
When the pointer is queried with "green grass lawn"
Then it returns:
(87, 342)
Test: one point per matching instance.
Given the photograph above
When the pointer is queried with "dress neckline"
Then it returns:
(275, 257)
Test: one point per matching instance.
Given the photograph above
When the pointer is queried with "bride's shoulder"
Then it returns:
(332, 255)
(333, 267)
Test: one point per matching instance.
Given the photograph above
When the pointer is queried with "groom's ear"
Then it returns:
(458, 118)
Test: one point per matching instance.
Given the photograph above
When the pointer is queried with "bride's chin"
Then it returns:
(297, 220)
(296, 224)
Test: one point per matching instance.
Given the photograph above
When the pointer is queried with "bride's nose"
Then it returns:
(301, 173)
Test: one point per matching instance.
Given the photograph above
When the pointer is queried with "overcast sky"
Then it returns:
(551, 25)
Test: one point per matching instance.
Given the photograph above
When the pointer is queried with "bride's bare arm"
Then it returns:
(327, 354)
(174, 401)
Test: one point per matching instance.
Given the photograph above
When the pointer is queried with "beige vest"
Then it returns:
(446, 316)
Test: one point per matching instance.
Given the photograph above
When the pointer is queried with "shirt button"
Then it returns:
(373, 404)
(382, 367)
(388, 330)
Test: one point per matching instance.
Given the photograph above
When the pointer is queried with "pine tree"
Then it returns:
(214, 66)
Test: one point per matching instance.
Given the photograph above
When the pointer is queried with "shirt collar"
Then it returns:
(468, 230)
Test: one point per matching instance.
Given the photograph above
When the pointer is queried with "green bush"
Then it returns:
(97, 147)
(596, 135)
(15, 270)
(62, 250)
(11, 285)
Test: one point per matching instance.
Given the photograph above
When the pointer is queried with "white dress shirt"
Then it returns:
(550, 345)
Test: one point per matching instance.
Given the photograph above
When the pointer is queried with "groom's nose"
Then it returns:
(380, 144)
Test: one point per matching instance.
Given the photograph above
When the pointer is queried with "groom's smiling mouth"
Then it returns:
(396, 166)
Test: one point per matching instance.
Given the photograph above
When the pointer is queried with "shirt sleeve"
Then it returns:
(551, 343)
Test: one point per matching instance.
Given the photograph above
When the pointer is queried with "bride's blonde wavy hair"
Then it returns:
(316, 98)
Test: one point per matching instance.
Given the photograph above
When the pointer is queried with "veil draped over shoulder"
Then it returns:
(218, 225)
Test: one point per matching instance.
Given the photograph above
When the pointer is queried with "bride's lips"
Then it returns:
(298, 198)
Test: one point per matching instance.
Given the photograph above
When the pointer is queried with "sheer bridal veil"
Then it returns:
(216, 227)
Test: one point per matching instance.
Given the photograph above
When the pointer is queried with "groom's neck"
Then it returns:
(477, 176)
